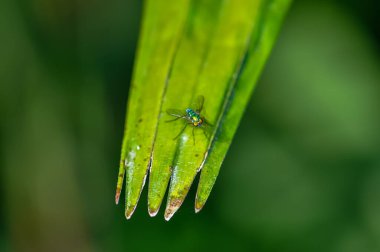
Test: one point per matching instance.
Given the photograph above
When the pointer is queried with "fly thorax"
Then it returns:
(190, 112)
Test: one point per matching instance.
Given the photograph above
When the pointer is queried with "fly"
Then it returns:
(192, 117)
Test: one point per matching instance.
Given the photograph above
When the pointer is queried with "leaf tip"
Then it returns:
(117, 196)
(198, 204)
(168, 217)
(152, 212)
(153, 205)
(172, 207)
(129, 211)
(198, 208)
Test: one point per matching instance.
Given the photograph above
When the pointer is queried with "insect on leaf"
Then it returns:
(202, 55)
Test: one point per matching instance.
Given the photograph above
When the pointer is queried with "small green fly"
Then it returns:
(192, 117)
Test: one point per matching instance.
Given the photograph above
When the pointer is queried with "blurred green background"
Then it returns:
(303, 173)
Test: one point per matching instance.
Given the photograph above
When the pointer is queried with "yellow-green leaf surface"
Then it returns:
(212, 48)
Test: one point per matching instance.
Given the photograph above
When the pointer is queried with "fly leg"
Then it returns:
(206, 135)
(193, 136)
(183, 129)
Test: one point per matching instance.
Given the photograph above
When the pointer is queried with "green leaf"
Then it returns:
(188, 49)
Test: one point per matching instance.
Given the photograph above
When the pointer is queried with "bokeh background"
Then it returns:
(303, 173)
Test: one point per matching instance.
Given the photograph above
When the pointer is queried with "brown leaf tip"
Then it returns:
(117, 196)
(152, 212)
(172, 208)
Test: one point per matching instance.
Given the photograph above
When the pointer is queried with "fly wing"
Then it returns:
(176, 112)
(199, 103)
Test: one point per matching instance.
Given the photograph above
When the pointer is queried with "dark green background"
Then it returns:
(303, 173)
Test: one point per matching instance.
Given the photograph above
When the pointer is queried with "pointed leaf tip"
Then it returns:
(129, 211)
(173, 205)
(117, 196)
(158, 181)
(152, 211)
(198, 205)
(168, 216)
